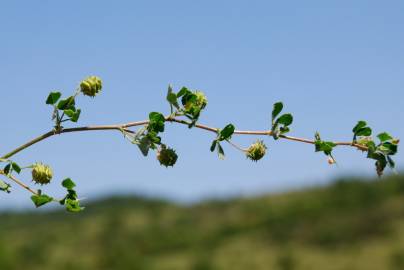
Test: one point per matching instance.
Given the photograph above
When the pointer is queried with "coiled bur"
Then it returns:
(41, 174)
(256, 151)
(167, 156)
(91, 86)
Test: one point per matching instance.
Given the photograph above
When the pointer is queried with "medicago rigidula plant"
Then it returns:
(185, 108)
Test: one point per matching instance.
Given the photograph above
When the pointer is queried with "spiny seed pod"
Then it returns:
(167, 156)
(91, 86)
(41, 174)
(201, 100)
(256, 151)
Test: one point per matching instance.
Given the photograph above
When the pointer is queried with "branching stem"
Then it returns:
(126, 127)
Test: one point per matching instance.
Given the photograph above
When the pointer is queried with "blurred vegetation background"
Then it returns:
(351, 224)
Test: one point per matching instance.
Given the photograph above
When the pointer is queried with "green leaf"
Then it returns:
(152, 138)
(182, 92)
(71, 194)
(371, 146)
(284, 130)
(220, 151)
(323, 146)
(73, 206)
(156, 122)
(69, 112)
(7, 169)
(391, 162)
(53, 98)
(172, 97)
(359, 125)
(68, 183)
(380, 166)
(388, 148)
(41, 199)
(384, 136)
(213, 146)
(16, 167)
(278, 107)
(226, 132)
(366, 131)
(144, 145)
(285, 119)
(74, 115)
(187, 100)
(5, 186)
(373, 154)
(361, 129)
(70, 201)
(66, 104)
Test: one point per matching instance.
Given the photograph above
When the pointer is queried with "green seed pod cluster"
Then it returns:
(256, 151)
(197, 104)
(91, 86)
(167, 156)
(201, 100)
(41, 174)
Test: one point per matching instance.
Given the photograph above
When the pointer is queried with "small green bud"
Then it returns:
(396, 141)
(167, 156)
(41, 174)
(91, 86)
(256, 151)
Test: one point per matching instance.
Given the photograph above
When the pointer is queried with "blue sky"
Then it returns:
(331, 62)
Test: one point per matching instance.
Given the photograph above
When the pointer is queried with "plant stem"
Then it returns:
(125, 127)
(236, 146)
(19, 182)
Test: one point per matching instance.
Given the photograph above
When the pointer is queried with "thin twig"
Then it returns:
(236, 146)
(12, 178)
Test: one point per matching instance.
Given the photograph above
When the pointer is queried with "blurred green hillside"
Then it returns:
(351, 224)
